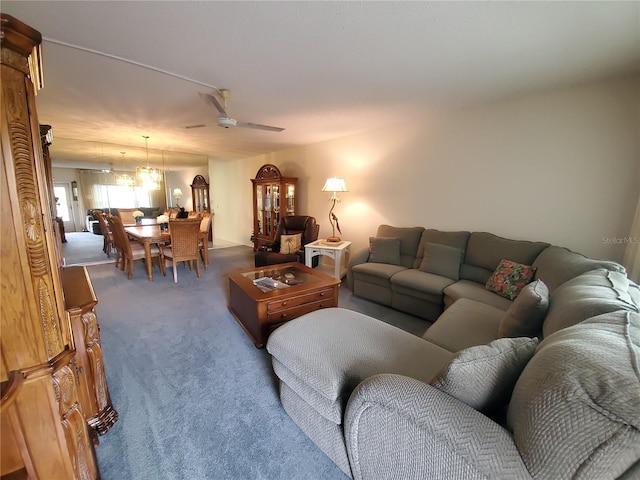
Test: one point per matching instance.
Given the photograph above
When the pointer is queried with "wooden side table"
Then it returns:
(339, 251)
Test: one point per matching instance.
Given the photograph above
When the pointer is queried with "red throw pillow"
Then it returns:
(509, 278)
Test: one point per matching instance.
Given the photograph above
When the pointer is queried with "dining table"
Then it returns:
(148, 235)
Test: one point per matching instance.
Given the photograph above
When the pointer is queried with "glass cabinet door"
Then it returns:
(259, 210)
(291, 198)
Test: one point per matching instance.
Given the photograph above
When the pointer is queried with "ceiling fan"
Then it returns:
(225, 120)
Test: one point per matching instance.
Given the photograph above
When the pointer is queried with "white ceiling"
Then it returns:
(321, 70)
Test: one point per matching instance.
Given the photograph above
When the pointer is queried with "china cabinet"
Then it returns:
(200, 195)
(274, 196)
(44, 408)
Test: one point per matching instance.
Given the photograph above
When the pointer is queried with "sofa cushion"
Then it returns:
(442, 260)
(384, 250)
(409, 241)
(376, 273)
(475, 291)
(592, 293)
(634, 293)
(326, 353)
(465, 324)
(509, 278)
(483, 376)
(485, 250)
(453, 239)
(574, 410)
(556, 265)
(525, 316)
(426, 286)
(290, 243)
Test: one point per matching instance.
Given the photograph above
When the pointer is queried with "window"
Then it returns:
(118, 196)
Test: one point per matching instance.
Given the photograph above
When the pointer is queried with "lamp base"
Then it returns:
(333, 239)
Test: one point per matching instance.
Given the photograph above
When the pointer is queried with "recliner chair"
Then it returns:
(270, 254)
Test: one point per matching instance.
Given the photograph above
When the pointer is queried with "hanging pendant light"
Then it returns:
(150, 178)
(124, 179)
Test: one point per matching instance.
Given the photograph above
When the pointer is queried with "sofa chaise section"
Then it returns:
(317, 378)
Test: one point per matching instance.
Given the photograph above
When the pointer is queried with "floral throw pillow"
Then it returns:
(509, 278)
(290, 243)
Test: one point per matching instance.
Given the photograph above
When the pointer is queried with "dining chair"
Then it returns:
(185, 235)
(107, 245)
(131, 251)
(117, 243)
(203, 239)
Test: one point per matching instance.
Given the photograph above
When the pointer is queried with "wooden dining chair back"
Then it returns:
(131, 251)
(203, 242)
(185, 234)
(117, 241)
(107, 245)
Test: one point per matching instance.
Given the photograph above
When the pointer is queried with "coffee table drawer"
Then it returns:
(289, 303)
(290, 313)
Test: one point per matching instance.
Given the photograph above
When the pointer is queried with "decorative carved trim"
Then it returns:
(268, 172)
(106, 415)
(199, 181)
(73, 422)
(77, 440)
(91, 331)
(64, 382)
(15, 60)
(13, 89)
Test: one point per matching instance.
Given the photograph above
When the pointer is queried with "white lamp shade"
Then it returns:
(335, 184)
(177, 193)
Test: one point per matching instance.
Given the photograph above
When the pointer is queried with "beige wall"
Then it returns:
(560, 166)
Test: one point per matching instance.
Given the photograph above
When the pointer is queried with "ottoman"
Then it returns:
(322, 356)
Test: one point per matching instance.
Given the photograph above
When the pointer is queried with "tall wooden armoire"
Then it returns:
(46, 404)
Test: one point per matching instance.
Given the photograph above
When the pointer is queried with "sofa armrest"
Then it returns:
(360, 256)
(399, 427)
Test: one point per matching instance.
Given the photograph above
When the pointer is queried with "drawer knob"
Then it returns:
(284, 304)
(284, 315)
(322, 294)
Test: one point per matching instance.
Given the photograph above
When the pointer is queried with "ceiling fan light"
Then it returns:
(226, 122)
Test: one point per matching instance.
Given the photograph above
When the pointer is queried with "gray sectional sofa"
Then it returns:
(410, 284)
(545, 385)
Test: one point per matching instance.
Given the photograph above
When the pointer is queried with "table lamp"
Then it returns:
(178, 194)
(334, 185)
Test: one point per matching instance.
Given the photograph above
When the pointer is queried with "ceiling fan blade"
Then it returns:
(213, 102)
(258, 126)
(196, 126)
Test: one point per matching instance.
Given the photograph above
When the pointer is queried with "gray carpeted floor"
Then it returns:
(196, 399)
(84, 248)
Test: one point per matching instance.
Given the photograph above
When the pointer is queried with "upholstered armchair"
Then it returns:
(280, 251)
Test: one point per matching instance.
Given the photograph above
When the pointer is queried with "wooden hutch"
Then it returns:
(54, 398)
(273, 196)
(200, 195)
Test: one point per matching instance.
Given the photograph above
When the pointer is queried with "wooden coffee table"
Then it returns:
(262, 299)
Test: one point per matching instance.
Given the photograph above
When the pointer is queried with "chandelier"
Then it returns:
(124, 179)
(150, 178)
